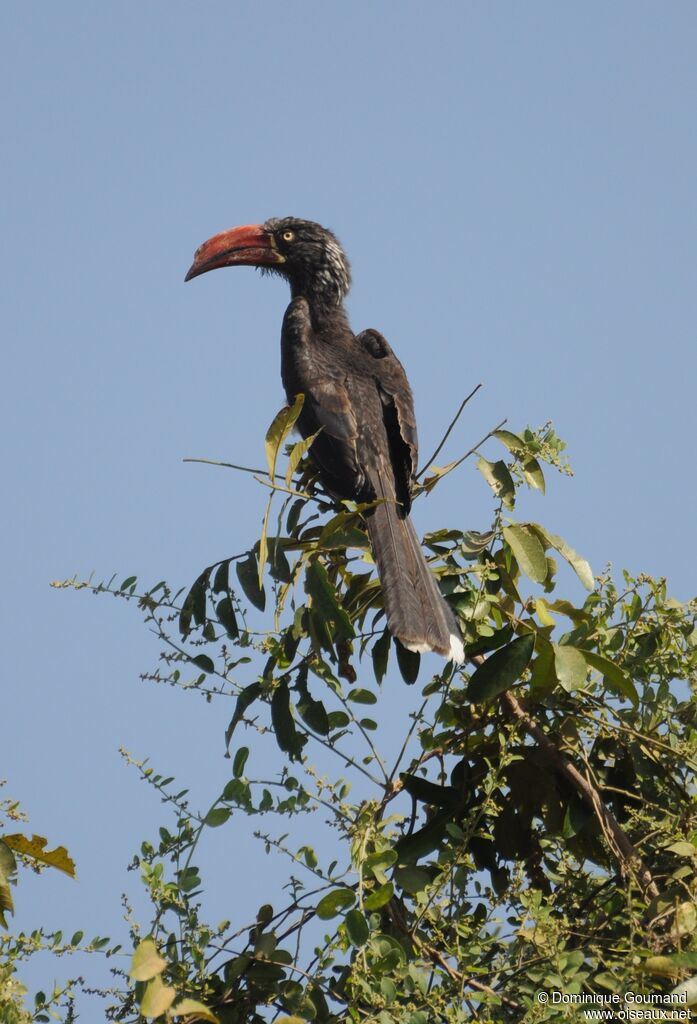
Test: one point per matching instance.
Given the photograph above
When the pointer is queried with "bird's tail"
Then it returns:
(417, 614)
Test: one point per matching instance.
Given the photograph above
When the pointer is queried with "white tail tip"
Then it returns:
(457, 651)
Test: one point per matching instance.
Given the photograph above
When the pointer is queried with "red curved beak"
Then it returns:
(247, 246)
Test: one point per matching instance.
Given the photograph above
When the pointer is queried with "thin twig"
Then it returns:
(226, 465)
(453, 465)
(446, 435)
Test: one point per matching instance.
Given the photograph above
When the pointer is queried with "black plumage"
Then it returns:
(358, 396)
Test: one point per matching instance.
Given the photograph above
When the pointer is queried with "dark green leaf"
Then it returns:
(381, 654)
(323, 594)
(287, 737)
(501, 669)
(245, 698)
(313, 713)
(361, 696)
(428, 792)
(489, 643)
(357, 928)
(248, 575)
(408, 661)
(239, 762)
(226, 617)
(575, 817)
(194, 606)
(221, 580)
(202, 661)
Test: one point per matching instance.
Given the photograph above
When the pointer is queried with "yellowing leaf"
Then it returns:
(146, 962)
(35, 849)
(283, 423)
(543, 614)
(264, 542)
(192, 1008)
(296, 454)
(157, 998)
(8, 867)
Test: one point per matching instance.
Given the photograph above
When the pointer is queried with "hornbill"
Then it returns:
(357, 396)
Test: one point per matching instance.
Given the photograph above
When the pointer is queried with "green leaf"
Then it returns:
(515, 444)
(226, 617)
(194, 606)
(146, 962)
(239, 762)
(334, 902)
(357, 928)
(323, 594)
(378, 862)
(361, 696)
(203, 662)
(411, 878)
(529, 553)
(287, 737)
(578, 564)
(428, 792)
(380, 655)
(217, 817)
(296, 454)
(245, 698)
(283, 423)
(408, 661)
(248, 575)
(501, 669)
(499, 479)
(532, 471)
(577, 814)
(542, 677)
(157, 998)
(221, 580)
(382, 895)
(570, 666)
(615, 677)
(313, 713)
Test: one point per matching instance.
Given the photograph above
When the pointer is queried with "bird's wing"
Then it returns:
(328, 408)
(397, 411)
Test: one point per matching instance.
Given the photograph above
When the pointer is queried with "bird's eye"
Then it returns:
(288, 236)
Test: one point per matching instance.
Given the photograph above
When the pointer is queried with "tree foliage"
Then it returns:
(535, 830)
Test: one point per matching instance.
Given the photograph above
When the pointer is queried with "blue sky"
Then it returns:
(515, 186)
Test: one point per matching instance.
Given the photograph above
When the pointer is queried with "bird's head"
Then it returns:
(305, 253)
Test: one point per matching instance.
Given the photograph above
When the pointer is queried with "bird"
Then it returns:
(358, 401)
